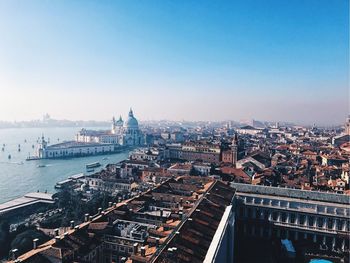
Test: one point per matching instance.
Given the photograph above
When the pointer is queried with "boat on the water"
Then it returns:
(31, 158)
(9, 157)
(41, 165)
(90, 170)
(93, 165)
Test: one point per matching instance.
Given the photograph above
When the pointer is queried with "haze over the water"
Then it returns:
(193, 60)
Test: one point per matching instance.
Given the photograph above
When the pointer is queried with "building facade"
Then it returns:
(268, 212)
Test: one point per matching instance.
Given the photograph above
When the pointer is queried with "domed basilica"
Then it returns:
(128, 132)
(123, 133)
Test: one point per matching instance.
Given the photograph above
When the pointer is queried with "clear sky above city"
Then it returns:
(193, 60)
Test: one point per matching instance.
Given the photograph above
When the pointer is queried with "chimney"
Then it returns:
(174, 250)
(57, 238)
(123, 260)
(157, 241)
(57, 232)
(99, 210)
(110, 204)
(35, 243)
(135, 246)
(65, 234)
(76, 227)
(14, 253)
(86, 217)
(143, 251)
(72, 224)
(90, 218)
(114, 204)
(182, 215)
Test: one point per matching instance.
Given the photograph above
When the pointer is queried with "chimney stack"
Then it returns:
(110, 204)
(14, 253)
(99, 210)
(123, 260)
(72, 224)
(35, 243)
(86, 217)
(57, 232)
(135, 248)
(143, 251)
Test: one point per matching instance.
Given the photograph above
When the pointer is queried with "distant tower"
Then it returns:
(234, 149)
(43, 143)
(113, 125)
(42, 147)
(347, 126)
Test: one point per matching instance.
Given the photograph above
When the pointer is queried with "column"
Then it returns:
(288, 217)
(324, 223)
(324, 240)
(315, 222)
(306, 223)
(335, 224)
(278, 232)
(297, 219)
(345, 222)
(296, 235)
(253, 230)
(270, 215)
(314, 238)
(278, 216)
(343, 244)
(333, 242)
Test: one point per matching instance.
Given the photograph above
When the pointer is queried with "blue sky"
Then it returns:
(193, 60)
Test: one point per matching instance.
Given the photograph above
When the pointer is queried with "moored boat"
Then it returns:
(93, 165)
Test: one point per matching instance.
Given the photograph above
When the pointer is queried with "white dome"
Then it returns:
(131, 122)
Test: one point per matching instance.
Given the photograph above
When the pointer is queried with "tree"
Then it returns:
(4, 238)
(24, 241)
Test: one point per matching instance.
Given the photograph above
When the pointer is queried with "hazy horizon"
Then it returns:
(175, 60)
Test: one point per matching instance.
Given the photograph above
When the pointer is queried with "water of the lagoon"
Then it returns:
(18, 176)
